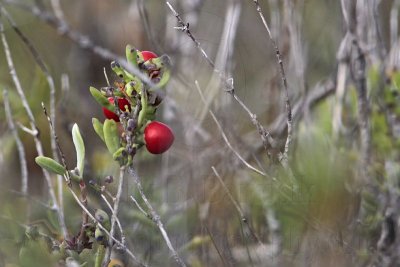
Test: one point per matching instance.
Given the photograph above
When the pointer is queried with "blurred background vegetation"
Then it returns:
(339, 211)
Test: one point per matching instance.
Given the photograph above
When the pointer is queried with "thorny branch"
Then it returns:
(284, 81)
(266, 137)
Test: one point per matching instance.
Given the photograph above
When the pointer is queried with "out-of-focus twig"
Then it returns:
(83, 201)
(39, 61)
(284, 81)
(105, 230)
(58, 12)
(394, 22)
(155, 217)
(144, 18)
(238, 208)
(112, 211)
(184, 27)
(38, 143)
(248, 165)
(114, 217)
(266, 137)
(20, 146)
(140, 207)
(224, 57)
(82, 40)
(358, 74)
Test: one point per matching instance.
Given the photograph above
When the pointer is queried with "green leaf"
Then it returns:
(103, 218)
(101, 99)
(119, 156)
(111, 136)
(79, 148)
(50, 164)
(121, 72)
(99, 256)
(131, 55)
(162, 63)
(98, 128)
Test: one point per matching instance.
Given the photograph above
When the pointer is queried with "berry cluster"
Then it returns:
(130, 106)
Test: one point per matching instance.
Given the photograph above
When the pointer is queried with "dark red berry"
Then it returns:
(148, 55)
(158, 137)
(122, 102)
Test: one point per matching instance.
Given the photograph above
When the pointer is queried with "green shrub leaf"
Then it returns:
(98, 128)
(111, 136)
(79, 147)
(50, 164)
(101, 99)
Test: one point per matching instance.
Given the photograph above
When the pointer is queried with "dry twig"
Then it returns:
(35, 132)
(39, 61)
(238, 208)
(248, 165)
(114, 217)
(155, 217)
(284, 81)
(266, 137)
(20, 146)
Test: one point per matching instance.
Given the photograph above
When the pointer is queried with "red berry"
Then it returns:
(122, 102)
(148, 55)
(158, 137)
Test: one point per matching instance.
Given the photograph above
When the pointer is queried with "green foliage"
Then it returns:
(380, 138)
(79, 148)
(101, 99)
(111, 136)
(98, 128)
(131, 55)
(51, 165)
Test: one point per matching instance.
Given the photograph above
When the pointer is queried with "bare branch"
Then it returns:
(54, 135)
(394, 24)
(114, 217)
(155, 217)
(82, 40)
(248, 165)
(105, 230)
(112, 210)
(284, 81)
(140, 207)
(184, 27)
(38, 144)
(228, 83)
(238, 208)
(56, 6)
(39, 61)
(144, 18)
(20, 146)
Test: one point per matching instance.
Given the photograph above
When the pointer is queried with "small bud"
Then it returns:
(132, 151)
(108, 179)
(131, 124)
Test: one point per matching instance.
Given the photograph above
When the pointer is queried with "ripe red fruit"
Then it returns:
(148, 55)
(158, 137)
(122, 102)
